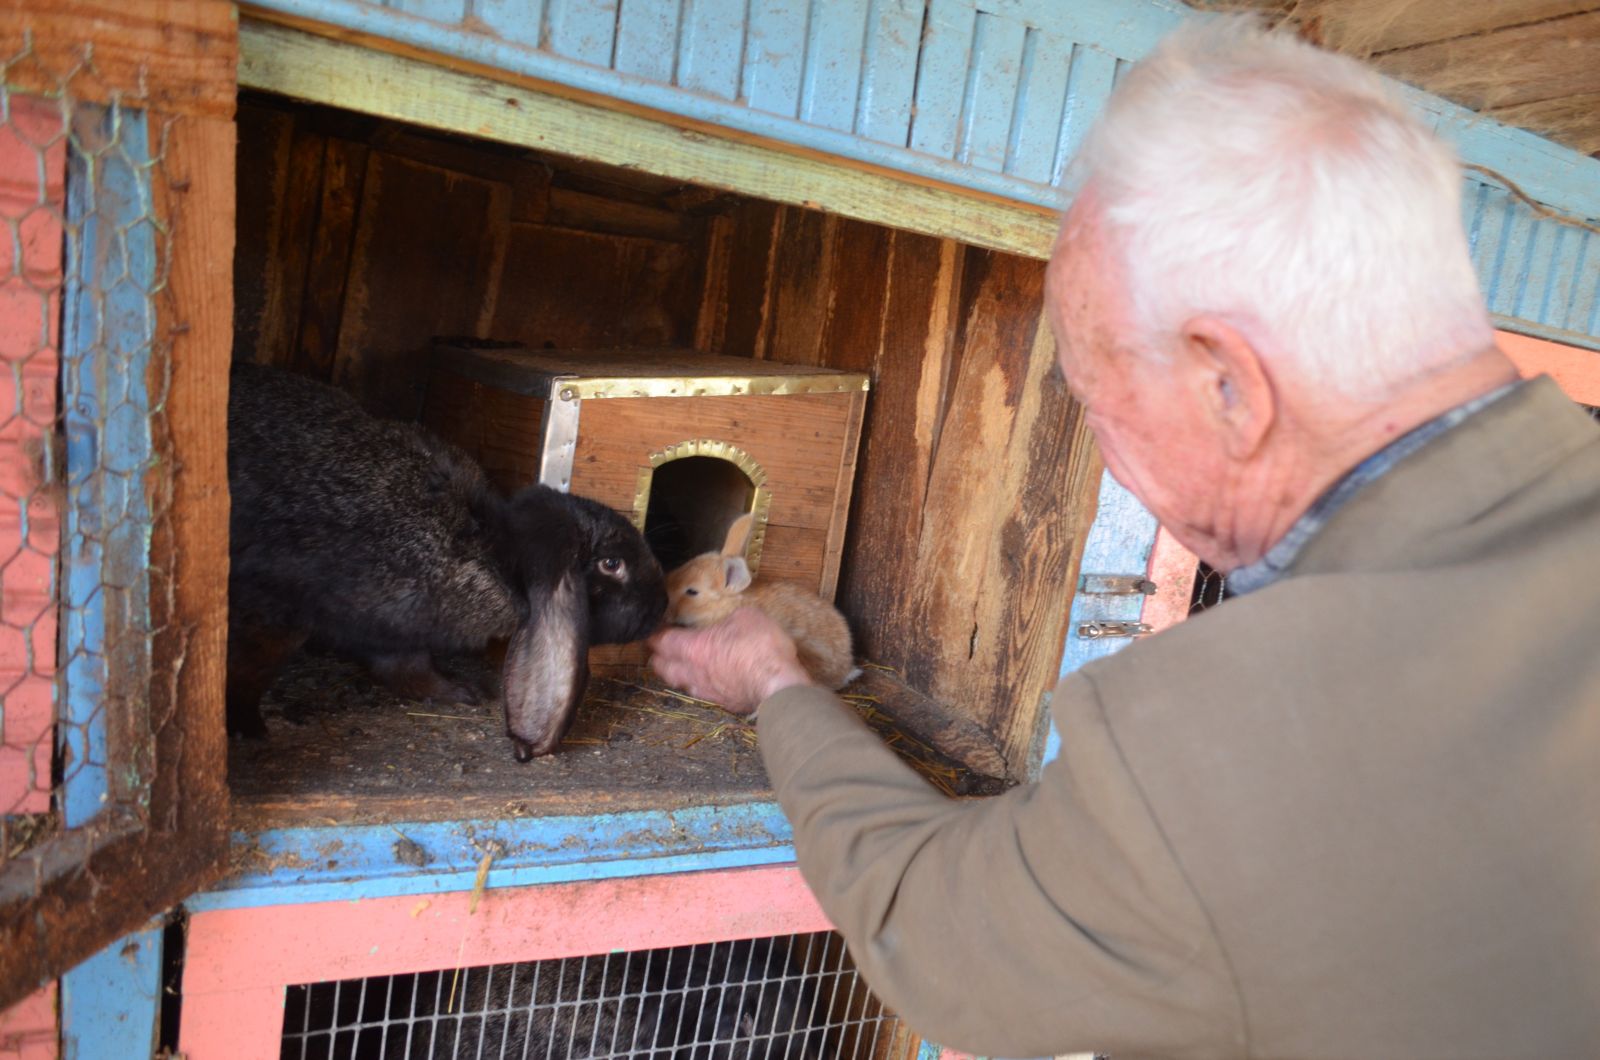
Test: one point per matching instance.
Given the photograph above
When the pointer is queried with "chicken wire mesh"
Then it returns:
(794, 996)
(83, 253)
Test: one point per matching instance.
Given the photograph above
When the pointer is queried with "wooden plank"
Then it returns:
(831, 83)
(111, 1003)
(942, 76)
(29, 1030)
(1090, 78)
(889, 80)
(795, 438)
(1576, 370)
(711, 53)
(584, 30)
(647, 40)
(570, 289)
(1518, 66)
(1041, 105)
(901, 432)
(777, 55)
(447, 11)
(177, 56)
(802, 287)
(427, 247)
(516, 21)
(998, 50)
(1172, 569)
(348, 75)
(328, 261)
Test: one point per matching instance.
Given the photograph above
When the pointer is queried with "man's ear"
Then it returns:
(1231, 381)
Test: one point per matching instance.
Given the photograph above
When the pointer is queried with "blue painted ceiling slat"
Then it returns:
(1541, 285)
(834, 54)
(437, 10)
(583, 30)
(515, 21)
(942, 76)
(1511, 273)
(647, 39)
(894, 38)
(996, 76)
(1041, 103)
(712, 53)
(1584, 299)
(1088, 87)
(776, 55)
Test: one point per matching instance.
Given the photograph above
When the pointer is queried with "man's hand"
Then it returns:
(738, 662)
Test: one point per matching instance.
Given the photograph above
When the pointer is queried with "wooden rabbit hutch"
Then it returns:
(531, 227)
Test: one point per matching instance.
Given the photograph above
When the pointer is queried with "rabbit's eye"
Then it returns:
(611, 565)
(691, 592)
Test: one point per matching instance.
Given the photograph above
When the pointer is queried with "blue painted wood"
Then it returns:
(107, 335)
(998, 45)
(854, 95)
(647, 40)
(1089, 82)
(517, 22)
(364, 861)
(835, 48)
(712, 57)
(894, 37)
(110, 1004)
(437, 10)
(776, 55)
(1120, 541)
(582, 30)
(1041, 106)
(942, 76)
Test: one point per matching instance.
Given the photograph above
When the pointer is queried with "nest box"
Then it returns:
(680, 442)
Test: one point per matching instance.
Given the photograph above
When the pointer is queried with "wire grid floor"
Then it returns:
(794, 996)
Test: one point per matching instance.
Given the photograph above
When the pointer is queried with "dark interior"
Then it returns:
(360, 240)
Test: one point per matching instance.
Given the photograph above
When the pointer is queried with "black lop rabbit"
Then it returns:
(384, 543)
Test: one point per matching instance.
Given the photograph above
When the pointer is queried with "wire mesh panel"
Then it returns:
(94, 641)
(795, 996)
(1210, 589)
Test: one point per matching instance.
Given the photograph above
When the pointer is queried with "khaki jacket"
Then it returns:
(1354, 814)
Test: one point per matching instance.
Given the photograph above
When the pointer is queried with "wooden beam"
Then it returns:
(356, 75)
(176, 56)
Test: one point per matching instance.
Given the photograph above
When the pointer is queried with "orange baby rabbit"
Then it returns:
(713, 585)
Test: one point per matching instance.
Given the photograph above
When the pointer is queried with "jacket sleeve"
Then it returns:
(1051, 919)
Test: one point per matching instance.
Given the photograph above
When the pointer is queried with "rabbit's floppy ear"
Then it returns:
(547, 666)
(735, 573)
(738, 535)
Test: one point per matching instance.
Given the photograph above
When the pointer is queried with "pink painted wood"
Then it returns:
(238, 961)
(1575, 370)
(28, 1028)
(1172, 568)
(32, 196)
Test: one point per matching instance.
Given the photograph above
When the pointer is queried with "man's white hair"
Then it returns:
(1248, 174)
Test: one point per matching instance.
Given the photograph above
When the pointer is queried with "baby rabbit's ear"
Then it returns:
(547, 666)
(735, 573)
(738, 535)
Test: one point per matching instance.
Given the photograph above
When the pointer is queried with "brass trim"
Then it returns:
(568, 388)
(760, 498)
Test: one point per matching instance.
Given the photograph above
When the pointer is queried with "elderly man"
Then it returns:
(1354, 811)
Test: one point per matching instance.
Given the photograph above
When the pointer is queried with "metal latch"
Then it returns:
(1117, 584)
(1102, 630)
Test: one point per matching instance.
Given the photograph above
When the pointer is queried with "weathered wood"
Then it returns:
(362, 76)
(428, 246)
(175, 56)
(328, 260)
(98, 883)
(569, 289)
